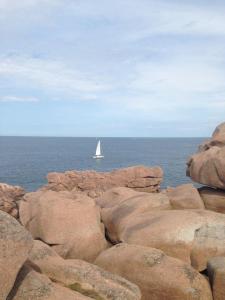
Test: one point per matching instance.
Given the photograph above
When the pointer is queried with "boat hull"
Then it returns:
(98, 156)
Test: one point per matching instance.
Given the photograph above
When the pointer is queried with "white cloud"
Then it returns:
(18, 99)
(182, 19)
(148, 17)
(159, 59)
(51, 76)
(11, 5)
(143, 18)
(179, 76)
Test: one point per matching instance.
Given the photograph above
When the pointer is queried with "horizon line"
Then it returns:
(103, 137)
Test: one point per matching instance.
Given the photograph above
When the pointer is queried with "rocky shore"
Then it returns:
(116, 235)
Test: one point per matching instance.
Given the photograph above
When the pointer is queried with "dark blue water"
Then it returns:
(25, 161)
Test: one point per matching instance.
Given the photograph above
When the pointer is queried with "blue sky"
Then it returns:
(112, 68)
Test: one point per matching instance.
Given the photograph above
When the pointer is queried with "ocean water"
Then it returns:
(25, 161)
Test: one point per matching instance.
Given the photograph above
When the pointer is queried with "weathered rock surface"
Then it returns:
(69, 223)
(208, 165)
(159, 276)
(193, 236)
(15, 244)
(214, 199)
(115, 196)
(216, 272)
(9, 197)
(95, 183)
(185, 196)
(31, 285)
(127, 204)
(79, 275)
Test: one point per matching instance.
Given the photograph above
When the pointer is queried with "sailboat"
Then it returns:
(98, 151)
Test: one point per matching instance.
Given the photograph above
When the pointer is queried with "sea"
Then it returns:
(25, 161)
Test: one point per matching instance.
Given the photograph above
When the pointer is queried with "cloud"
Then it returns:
(18, 99)
(155, 60)
(50, 76)
(135, 19)
(179, 76)
(12, 5)
(146, 18)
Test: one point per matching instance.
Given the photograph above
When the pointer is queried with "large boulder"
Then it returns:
(81, 276)
(208, 165)
(185, 196)
(31, 285)
(115, 196)
(9, 198)
(95, 183)
(159, 276)
(193, 236)
(68, 222)
(219, 133)
(15, 244)
(216, 272)
(214, 199)
(114, 217)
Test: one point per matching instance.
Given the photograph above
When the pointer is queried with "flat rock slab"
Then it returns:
(95, 183)
(159, 276)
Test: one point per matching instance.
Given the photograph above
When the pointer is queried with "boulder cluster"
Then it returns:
(116, 236)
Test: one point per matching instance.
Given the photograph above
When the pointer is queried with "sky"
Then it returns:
(148, 68)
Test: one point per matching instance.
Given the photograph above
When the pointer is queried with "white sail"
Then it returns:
(98, 149)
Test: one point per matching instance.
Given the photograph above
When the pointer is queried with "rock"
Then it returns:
(214, 199)
(159, 276)
(15, 244)
(9, 197)
(115, 196)
(114, 217)
(95, 183)
(216, 272)
(193, 236)
(81, 276)
(219, 133)
(32, 285)
(185, 196)
(208, 165)
(69, 223)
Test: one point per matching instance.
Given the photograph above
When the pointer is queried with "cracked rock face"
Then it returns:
(9, 198)
(159, 276)
(81, 276)
(93, 183)
(208, 165)
(69, 223)
(32, 285)
(193, 236)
